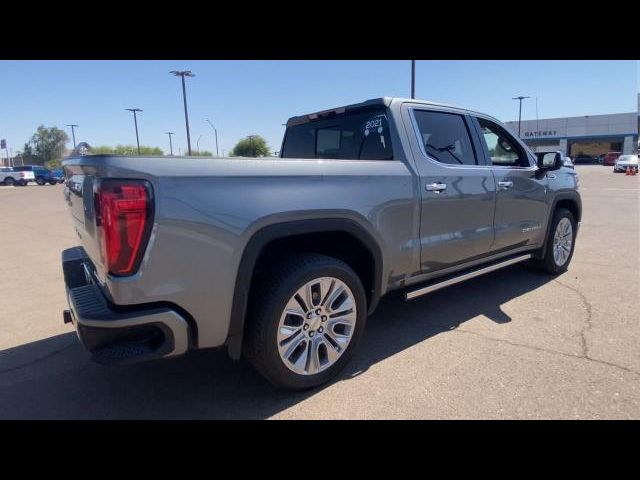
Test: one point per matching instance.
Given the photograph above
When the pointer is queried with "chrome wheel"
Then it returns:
(562, 241)
(316, 326)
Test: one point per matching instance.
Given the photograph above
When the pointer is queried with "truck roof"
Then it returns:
(380, 101)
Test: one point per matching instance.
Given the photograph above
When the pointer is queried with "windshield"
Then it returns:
(628, 158)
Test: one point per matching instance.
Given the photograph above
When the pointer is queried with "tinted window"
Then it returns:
(503, 150)
(350, 136)
(22, 169)
(445, 137)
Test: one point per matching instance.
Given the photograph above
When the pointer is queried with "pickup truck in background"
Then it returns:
(9, 176)
(281, 260)
(39, 174)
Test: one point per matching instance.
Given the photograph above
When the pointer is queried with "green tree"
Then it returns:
(53, 164)
(252, 146)
(28, 156)
(46, 144)
(203, 153)
(125, 150)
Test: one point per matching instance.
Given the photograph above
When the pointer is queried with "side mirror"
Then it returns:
(550, 160)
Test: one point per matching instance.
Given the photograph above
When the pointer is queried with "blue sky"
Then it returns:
(256, 97)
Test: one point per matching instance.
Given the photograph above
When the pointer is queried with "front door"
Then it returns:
(521, 207)
(458, 190)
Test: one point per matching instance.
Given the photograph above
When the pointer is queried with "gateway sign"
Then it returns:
(541, 133)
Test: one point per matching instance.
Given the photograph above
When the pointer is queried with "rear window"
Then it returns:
(350, 136)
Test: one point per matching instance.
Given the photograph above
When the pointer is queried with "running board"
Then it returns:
(465, 276)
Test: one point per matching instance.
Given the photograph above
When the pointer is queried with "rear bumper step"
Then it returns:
(118, 335)
(461, 277)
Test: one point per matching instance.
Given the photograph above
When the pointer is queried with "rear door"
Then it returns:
(457, 188)
(521, 192)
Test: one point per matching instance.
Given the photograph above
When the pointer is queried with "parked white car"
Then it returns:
(567, 162)
(10, 177)
(625, 161)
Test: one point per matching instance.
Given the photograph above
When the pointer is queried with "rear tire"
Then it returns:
(40, 181)
(304, 348)
(560, 244)
(53, 182)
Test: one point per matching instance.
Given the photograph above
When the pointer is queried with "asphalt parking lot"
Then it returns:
(511, 344)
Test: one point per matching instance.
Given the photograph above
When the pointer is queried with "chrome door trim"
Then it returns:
(424, 277)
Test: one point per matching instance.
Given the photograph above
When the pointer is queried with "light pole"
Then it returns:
(413, 79)
(135, 121)
(250, 137)
(73, 133)
(216, 134)
(182, 74)
(170, 143)
(519, 111)
(198, 144)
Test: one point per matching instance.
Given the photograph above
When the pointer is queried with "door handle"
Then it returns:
(435, 187)
(551, 176)
(505, 184)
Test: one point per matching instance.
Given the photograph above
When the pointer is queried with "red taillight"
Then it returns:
(22, 174)
(123, 218)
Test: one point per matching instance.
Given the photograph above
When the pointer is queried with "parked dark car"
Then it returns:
(41, 174)
(585, 159)
(58, 175)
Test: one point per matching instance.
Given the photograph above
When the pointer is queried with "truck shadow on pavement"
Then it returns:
(53, 378)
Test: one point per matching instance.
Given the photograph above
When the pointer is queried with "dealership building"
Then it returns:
(589, 135)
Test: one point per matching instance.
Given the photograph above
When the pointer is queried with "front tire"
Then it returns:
(40, 181)
(560, 243)
(9, 181)
(305, 320)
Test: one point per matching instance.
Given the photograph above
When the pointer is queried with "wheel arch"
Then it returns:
(569, 200)
(289, 230)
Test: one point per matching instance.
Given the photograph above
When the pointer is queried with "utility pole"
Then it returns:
(182, 74)
(3, 144)
(413, 79)
(250, 137)
(215, 131)
(519, 111)
(170, 143)
(135, 121)
(73, 133)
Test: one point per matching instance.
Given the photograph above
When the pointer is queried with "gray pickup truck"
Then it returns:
(281, 260)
